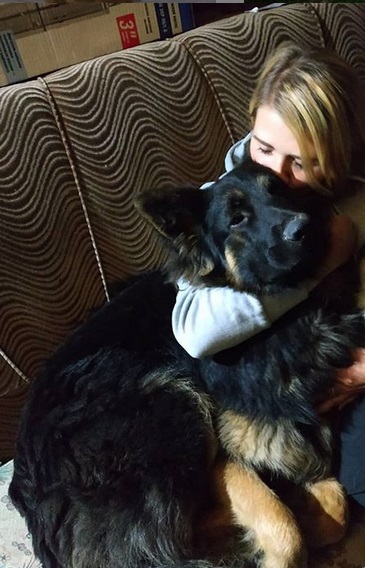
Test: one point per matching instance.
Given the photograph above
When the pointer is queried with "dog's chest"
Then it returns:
(280, 447)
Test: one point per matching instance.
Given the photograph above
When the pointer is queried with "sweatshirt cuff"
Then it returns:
(279, 304)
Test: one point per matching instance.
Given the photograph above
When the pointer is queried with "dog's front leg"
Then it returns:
(257, 508)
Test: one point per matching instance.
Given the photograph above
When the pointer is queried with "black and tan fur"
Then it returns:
(126, 440)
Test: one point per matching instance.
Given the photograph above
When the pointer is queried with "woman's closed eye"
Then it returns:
(297, 165)
(265, 151)
(269, 152)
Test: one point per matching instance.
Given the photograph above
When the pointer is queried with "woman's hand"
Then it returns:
(349, 383)
(353, 378)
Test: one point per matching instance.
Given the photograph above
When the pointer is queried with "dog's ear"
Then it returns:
(173, 212)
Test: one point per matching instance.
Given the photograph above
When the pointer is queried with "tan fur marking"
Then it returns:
(232, 271)
(321, 509)
(256, 507)
(278, 447)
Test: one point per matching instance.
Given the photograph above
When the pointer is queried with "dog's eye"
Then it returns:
(238, 210)
(239, 218)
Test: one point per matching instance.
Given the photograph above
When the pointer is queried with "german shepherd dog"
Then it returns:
(126, 440)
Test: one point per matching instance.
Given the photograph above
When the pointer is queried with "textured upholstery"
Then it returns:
(136, 119)
(343, 30)
(231, 54)
(78, 144)
(42, 287)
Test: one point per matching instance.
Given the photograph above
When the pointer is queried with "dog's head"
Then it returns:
(248, 230)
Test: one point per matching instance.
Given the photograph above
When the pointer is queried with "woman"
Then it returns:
(308, 127)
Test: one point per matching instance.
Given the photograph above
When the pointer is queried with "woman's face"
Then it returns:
(274, 145)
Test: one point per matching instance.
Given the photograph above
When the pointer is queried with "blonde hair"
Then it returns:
(317, 95)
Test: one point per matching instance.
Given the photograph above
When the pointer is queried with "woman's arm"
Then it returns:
(349, 384)
(203, 320)
(208, 320)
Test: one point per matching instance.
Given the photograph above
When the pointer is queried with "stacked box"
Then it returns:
(38, 38)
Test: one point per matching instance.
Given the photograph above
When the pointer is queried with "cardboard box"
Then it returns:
(39, 38)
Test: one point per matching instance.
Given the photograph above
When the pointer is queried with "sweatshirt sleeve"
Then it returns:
(208, 320)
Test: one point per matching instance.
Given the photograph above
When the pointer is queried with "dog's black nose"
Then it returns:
(296, 227)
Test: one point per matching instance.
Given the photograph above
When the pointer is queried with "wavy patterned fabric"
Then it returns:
(76, 147)
(138, 119)
(47, 270)
(11, 406)
(231, 54)
(344, 31)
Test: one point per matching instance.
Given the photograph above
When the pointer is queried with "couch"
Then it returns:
(78, 144)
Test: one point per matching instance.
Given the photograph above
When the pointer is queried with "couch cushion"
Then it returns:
(231, 54)
(343, 29)
(48, 270)
(137, 119)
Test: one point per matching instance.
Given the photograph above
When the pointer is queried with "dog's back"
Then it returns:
(115, 442)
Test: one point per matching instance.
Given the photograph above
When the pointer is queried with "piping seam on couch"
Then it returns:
(201, 70)
(64, 139)
(14, 367)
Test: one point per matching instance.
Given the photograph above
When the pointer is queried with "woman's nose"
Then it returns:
(282, 167)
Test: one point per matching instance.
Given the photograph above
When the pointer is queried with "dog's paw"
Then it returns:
(324, 515)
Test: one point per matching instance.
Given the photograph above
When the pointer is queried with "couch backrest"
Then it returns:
(76, 146)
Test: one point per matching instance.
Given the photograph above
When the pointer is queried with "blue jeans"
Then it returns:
(352, 450)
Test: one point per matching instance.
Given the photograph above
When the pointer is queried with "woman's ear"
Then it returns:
(175, 212)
